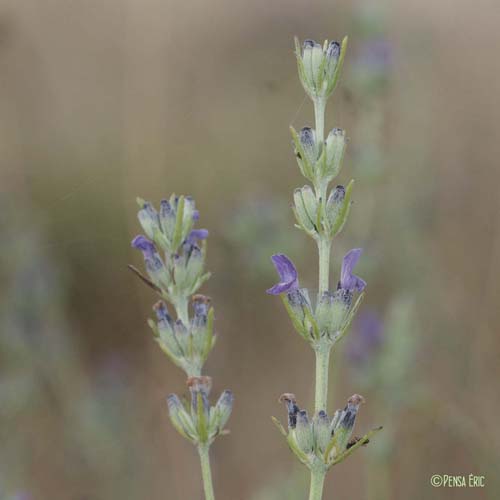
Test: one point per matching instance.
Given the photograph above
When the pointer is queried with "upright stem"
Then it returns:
(324, 248)
(322, 353)
(317, 482)
(319, 114)
(206, 472)
(322, 362)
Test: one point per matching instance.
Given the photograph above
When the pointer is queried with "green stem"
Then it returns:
(317, 482)
(206, 472)
(324, 248)
(322, 364)
(319, 114)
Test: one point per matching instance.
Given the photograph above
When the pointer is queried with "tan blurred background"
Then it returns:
(102, 101)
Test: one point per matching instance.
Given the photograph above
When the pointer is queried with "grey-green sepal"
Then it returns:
(307, 210)
(334, 314)
(200, 423)
(319, 162)
(325, 323)
(299, 307)
(319, 66)
(181, 418)
(188, 271)
(337, 209)
(333, 155)
(169, 227)
(322, 441)
(188, 346)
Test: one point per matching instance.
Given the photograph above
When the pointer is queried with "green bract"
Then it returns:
(200, 423)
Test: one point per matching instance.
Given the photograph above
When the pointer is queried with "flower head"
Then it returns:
(349, 281)
(289, 279)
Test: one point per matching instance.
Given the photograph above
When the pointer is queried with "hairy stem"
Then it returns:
(317, 482)
(206, 472)
(319, 114)
(322, 362)
(324, 248)
(322, 353)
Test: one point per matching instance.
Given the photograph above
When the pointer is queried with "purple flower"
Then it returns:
(154, 264)
(145, 246)
(349, 281)
(289, 279)
(195, 235)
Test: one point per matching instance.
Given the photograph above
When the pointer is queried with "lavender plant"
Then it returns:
(321, 318)
(174, 256)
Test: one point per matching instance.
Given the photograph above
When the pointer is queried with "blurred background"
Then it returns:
(103, 101)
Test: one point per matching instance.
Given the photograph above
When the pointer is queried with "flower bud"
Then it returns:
(201, 327)
(335, 145)
(298, 306)
(176, 219)
(319, 67)
(167, 218)
(306, 209)
(148, 217)
(187, 270)
(332, 312)
(165, 328)
(307, 137)
(200, 406)
(181, 420)
(332, 58)
(322, 433)
(304, 433)
(222, 411)
(154, 265)
(337, 209)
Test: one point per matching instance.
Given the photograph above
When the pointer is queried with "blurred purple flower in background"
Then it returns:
(289, 278)
(377, 55)
(366, 338)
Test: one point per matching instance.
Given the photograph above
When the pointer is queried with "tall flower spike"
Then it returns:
(174, 256)
(322, 318)
(289, 278)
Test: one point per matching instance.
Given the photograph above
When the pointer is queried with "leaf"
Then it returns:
(146, 280)
(179, 222)
(167, 351)
(296, 450)
(353, 448)
(277, 423)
